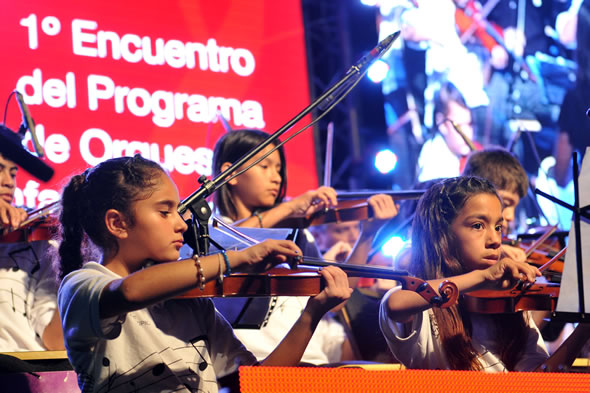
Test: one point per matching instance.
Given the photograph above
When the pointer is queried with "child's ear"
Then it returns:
(224, 166)
(116, 223)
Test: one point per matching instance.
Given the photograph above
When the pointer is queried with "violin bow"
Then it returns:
(38, 214)
(540, 240)
(328, 157)
(553, 260)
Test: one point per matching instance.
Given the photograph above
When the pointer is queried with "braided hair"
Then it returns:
(113, 184)
(435, 256)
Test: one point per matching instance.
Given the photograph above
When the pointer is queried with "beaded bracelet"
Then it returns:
(227, 266)
(200, 273)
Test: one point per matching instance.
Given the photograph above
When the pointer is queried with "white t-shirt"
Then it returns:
(422, 349)
(28, 291)
(176, 345)
(436, 160)
(324, 347)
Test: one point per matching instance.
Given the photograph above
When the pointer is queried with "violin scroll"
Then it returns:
(448, 294)
(447, 289)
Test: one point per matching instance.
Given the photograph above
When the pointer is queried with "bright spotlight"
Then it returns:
(369, 2)
(385, 161)
(378, 71)
(393, 246)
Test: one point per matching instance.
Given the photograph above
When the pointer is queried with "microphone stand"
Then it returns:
(196, 202)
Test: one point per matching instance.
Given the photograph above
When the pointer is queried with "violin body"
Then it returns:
(30, 233)
(274, 282)
(538, 297)
(348, 210)
(39, 225)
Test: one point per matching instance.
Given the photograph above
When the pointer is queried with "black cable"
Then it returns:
(6, 106)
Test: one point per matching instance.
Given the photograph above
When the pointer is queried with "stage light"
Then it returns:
(378, 71)
(369, 2)
(385, 161)
(393, 246)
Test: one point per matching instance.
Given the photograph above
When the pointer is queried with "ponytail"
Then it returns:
(72, 233)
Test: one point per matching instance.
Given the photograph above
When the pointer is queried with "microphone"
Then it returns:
(28, 123)
(375, 53)
(359, 68)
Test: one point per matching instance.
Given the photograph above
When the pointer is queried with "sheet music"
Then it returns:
(568, 294)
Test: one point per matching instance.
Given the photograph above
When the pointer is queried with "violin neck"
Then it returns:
(362, 271)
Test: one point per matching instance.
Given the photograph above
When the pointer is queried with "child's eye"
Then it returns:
(498, 228)
(477, 225)
(165, 213)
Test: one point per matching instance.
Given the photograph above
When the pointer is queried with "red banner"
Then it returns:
(108, 79)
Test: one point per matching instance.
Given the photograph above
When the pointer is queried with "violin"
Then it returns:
(350, 208)
(538, 297)
(543, 249)
(535, 297)
(308, 282)
(471, 20)
(39, 225)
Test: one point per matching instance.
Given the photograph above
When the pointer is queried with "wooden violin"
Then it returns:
(308, 282)
(536, 297)
(350, 208)
(39, 225)
(541, 251)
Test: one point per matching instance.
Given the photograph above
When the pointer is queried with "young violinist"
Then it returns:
(123, 329)
(255, 199)
(456, 235)
(29, 320)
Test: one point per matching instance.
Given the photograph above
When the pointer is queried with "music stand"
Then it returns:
(574, 296)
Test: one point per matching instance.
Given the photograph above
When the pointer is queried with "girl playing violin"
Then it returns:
(123, 330)
(456, 235)
(255, 199)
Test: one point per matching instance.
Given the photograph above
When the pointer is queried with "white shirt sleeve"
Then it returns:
(420, 347)
(79, 298)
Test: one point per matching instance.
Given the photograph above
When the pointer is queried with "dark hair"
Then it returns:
(434, 256)
(446, 94)
(499, 166)
(231, 147)
(113, 184)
